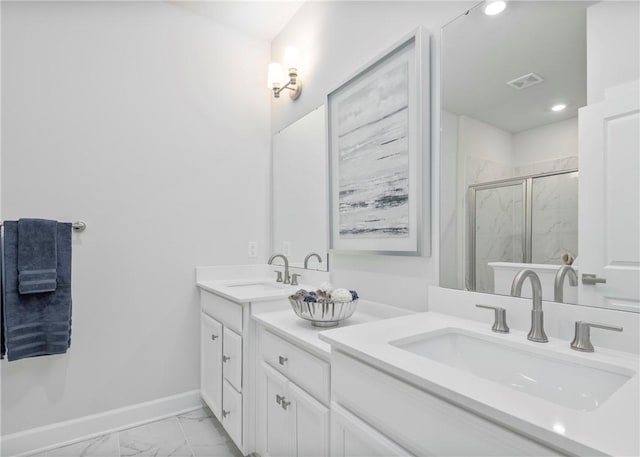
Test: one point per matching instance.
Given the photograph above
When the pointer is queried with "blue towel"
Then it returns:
(37, 255)
(40, 323)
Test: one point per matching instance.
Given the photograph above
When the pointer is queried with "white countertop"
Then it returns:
(611, 429)
(287, 324)
(224, 288)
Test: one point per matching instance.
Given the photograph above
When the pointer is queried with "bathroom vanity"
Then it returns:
(435, 384)
(228, 297)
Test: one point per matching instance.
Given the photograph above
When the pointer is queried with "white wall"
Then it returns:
(152, 125)
(613, 46)
(546, 144)
(335, 39)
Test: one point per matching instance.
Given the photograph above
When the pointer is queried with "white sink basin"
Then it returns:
(560, 379)
(258, 287)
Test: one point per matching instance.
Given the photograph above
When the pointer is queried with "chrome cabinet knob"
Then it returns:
(500, 318)
(279, 398)
(582, 339)
(282, 360)
(285, 404)
(591, 279)
(214, 337)
(225, 413)
(225, 358)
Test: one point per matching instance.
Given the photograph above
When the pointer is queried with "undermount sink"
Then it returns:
(258, 287)
(560, 380)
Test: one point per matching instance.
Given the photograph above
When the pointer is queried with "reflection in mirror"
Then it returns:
(509, 162)
(299, 180)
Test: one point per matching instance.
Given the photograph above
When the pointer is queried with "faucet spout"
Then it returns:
(536, 333)
(558, 285)
(287, 277)
(308, 257)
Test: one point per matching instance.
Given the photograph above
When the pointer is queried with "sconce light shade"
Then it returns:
(291, 58)
(278, 80)
(275, 76)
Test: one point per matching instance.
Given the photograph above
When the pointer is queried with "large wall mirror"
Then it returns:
(300, 192)
(512, 85)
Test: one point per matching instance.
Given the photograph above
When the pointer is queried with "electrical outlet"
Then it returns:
(252, 250)
(286, 248)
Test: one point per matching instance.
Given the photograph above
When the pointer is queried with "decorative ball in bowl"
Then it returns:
(324, 308)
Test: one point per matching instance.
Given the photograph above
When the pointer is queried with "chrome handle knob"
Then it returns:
(214, 337)
(279, 277)
(225, 413)
(591, 279)
(282, 360)
(225, 358)
(294, 279)
(279, 398)
(500, 318)
(285, 404)
(582, 339)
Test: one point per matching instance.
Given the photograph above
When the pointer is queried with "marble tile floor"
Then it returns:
(195, 434)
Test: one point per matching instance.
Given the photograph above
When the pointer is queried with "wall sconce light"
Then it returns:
(276, 75)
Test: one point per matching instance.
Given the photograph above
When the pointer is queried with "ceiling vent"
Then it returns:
(525, 81)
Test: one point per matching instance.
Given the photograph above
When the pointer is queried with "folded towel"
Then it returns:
(39, 323)
(37, 255)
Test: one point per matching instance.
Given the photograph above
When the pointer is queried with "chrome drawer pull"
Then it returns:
(282, 360)
(225, 358)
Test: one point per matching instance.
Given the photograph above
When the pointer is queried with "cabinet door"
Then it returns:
(276, 418)
(350, 437)
(232, 358)
(211, 363)
(232, 413)
(310, 424)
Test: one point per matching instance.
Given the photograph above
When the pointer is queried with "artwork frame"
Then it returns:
(378, 127)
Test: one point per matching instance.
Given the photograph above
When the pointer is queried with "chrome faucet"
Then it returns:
(558, 285)
(537, 317)
(287, 278)
(306, 259)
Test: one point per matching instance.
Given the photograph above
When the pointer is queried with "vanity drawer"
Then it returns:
(306, 370)
(225, 311)
(232, 358)
(417, 420)
(232, 413)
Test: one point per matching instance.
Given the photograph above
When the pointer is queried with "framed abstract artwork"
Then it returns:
(378, 129)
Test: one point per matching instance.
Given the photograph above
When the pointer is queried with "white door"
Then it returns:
(609, 203)
(351, 437)
(211, 363)
(276, 419)
(311, 424)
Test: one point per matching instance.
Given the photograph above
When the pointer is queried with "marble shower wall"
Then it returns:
(554, 218)
(499, 231)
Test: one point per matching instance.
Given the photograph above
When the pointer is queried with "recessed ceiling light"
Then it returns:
(558, 107)
(491, 8)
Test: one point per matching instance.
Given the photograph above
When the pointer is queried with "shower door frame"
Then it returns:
(527, 208)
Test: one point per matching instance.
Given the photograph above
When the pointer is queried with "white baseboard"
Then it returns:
(63, 433)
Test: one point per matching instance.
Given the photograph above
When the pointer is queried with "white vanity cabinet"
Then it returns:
(221, 362)
(227, 363)
(384, 409)
(293, 395)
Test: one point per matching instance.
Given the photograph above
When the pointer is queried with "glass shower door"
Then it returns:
(498, 215)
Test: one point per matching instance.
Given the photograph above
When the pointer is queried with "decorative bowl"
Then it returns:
(323, 314)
